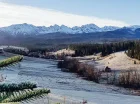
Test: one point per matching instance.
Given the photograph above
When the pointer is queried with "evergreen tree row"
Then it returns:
(134, 52)
(105, 49)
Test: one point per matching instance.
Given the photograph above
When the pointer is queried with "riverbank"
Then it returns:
(46, 75)
(95, 68)
(38, 53)
(115, 69)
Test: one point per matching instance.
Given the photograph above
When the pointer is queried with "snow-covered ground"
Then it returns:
(65, 85)
(63, 51)
(119, 61)
(115, 61)
(14, 47)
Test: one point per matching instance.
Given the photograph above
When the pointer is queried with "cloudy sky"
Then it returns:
(70, 12)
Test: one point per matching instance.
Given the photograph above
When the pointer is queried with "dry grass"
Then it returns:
(126, 79)
(129, 79)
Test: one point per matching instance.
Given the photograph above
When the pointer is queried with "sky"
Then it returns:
(70, 12)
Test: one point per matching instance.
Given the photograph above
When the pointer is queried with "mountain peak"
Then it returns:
(29, 29)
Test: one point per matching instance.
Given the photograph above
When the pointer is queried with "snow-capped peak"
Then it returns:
(134, 27)
(28, 29)
(20, 29)
(109, 28)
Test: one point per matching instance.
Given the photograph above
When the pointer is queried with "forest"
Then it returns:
(104, 49)
(134, 52)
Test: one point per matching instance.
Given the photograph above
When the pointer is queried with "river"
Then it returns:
(46, 75)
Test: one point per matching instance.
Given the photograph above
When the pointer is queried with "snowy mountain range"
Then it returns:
(27, 34)
(27, 29)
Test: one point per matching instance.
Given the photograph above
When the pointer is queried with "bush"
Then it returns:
(92, 73)
(71, 64)
(82, 69)
(135, 62)
(129, 79)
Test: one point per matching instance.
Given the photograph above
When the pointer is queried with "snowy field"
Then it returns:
(119, 61)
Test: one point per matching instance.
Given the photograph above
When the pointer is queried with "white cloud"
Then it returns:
(15, 14)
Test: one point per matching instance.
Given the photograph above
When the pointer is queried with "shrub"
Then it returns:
(71, 64)
(92, 73)
(107, 69)
(84, 70)
(129, 79)
(135, 62)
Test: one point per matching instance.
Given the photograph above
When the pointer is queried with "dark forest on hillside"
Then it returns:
(105, 49)
(134, 52)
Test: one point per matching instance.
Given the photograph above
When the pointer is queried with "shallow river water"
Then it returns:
(46, 75)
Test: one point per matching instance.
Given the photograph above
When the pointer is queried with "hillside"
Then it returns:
(119, 61)
(25, 34)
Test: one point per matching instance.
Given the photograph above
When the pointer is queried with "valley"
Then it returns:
(71, 86)
(46, 74)
(26, 35)
(69, 52)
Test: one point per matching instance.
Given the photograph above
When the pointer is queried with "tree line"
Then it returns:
(104, 49)
(134, 52)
